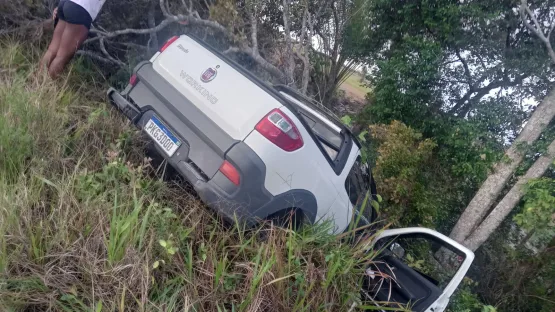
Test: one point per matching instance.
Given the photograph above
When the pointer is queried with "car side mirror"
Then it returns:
(397, 250)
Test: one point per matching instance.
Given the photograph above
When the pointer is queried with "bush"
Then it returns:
(465, 300)
(401, 157)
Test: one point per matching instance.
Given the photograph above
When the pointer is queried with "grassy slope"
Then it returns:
(354, 88)
(85, 224)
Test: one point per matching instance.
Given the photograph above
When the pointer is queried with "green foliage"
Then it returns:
(402, 155)
(465, 300)
(27, 120)
(514, 278)
(538, 212)
(400, 93)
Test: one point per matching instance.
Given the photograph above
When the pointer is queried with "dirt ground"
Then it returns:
(353, 93)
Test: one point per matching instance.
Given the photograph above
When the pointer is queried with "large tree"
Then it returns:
(464, 73)
(446, 57)
(460, 72)
(478, 221)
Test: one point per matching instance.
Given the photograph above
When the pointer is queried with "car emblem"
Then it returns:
(208, 75)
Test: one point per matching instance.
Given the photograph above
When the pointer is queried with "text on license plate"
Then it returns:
(162, 136)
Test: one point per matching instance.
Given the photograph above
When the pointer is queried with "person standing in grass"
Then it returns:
(74, 19)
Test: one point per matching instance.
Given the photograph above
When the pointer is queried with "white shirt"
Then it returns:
(92, 6)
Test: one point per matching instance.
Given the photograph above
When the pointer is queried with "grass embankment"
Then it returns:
(354, 88)
(86, 225)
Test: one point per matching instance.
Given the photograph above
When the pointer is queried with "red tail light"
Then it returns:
(168, 43)
(280, 130)
(133, 80)
(230, 172)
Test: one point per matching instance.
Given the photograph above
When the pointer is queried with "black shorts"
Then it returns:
(73, 13)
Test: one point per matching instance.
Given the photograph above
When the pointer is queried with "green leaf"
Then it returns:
(376, 205)
(172, 250)
(163, 243)
(488, 308)
(155, 264)
(347, 120)
(362, 136)
(98, 306)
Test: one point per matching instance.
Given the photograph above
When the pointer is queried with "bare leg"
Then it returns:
(72, 38)
(54, 45)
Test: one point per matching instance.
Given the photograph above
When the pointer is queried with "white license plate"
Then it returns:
(162, 136)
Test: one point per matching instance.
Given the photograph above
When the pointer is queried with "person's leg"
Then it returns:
(72, 38)
(54, 45)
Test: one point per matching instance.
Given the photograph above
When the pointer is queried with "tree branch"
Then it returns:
(108, 56)
(525, 12)
(152, 23)
(253, 16)
(480, 93)
(193, 19)
(95, 56)
(290, 62)
(466, 68)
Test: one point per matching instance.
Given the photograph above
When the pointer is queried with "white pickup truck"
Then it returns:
(254, 151)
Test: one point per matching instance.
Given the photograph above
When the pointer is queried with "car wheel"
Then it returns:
(288, 218)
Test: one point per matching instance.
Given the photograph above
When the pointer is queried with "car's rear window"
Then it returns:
(312, 104)
(327, 132)
(333, 139)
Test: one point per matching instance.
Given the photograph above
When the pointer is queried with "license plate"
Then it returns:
(162, 136)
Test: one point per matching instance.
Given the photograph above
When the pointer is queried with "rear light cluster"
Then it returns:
(280, 130)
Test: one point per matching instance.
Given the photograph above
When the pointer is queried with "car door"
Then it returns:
(407, 274)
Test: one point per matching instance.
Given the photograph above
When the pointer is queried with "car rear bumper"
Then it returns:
(203, 151)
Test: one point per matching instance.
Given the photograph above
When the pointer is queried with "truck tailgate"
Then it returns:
(224, 95)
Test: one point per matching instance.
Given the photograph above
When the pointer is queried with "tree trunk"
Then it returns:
(289, 60)
(526, 238)
(151, 19)
(506, 205)
(306, 41)
(496, 181)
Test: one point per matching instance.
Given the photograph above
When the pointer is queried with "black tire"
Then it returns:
(288, 218)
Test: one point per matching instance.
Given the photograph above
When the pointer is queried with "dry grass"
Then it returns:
(354, 88)
(85, 224)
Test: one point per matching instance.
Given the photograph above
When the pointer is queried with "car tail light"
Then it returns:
(168, 43)
(280, 130)
(133, 80)
(228, 170)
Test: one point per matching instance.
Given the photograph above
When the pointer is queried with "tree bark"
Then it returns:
(151, 19)
(506, 205)
(525, 13)
(290, 61)
(306, 42)
(495, 182)
(526, 238)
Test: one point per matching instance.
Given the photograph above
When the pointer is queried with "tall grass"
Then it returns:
(85, 225)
